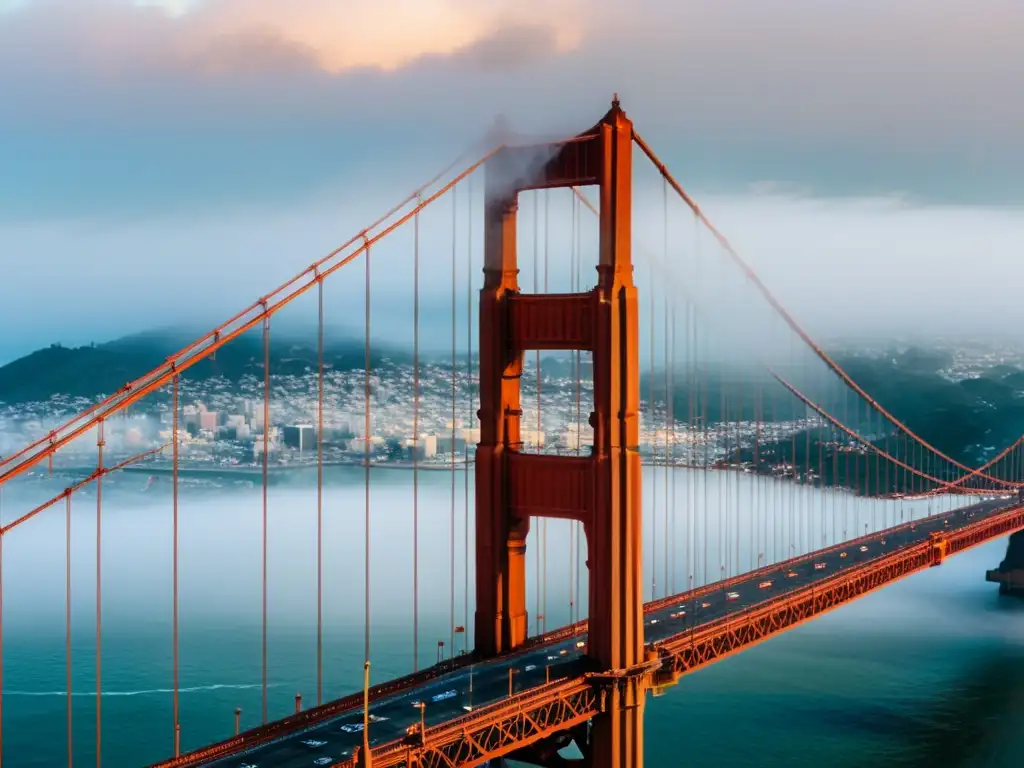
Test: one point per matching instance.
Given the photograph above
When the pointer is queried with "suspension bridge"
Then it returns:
(720, 477)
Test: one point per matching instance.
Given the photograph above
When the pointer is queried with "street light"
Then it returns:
(511, 671)
(366, 710)
(422, 707)
(238, 716)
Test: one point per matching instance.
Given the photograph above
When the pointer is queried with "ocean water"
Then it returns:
(929, 671)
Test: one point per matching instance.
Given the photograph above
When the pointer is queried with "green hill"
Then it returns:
(99, 369)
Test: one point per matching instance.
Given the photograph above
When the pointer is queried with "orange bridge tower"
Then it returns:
(603, 490)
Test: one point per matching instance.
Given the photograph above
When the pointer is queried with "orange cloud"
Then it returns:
(384, 34)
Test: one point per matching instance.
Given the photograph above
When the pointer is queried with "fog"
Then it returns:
(165, 159)
(868, 266)
(721, 523)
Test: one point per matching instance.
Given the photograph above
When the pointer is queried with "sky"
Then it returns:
(174, 159)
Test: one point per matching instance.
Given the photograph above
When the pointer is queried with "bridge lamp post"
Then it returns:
(422, 707)
(440, 651)
(238, 717)
(366, 709)
(511, 671)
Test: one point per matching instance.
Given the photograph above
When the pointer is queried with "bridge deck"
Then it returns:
(670, 624)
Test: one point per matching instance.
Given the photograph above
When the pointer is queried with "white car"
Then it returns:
(730, 596)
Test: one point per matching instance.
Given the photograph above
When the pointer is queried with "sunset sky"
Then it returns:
(229, 126)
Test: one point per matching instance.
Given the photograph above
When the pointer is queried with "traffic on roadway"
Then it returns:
(453, 695)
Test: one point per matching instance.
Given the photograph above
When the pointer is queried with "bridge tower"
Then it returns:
(601, 490)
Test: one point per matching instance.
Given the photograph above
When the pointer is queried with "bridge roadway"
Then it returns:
(452, 695)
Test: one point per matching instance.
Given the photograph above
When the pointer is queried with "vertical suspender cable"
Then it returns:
(99, 604)
(579, 393)
(739, 458)
(175, 448)
(67, 623)
(455, 366)
(538, 614)
(670, 583)
(416, 441)
(652, 419)
(572, 287)
(668, 460)
(469, 416)
(320, 492)
(366, 463)
(266, 459)
(1, 646)
(544, 522)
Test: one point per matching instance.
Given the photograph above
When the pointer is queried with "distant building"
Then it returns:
(208, 420)
(423, 448)
(300, 436)
(445, 444)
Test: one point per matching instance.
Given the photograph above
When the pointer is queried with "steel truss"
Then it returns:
(688, 651)
(492, 731)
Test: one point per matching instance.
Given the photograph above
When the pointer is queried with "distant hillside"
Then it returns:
(969, 420)
(103, 368)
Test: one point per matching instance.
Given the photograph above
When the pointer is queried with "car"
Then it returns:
(820, 566)
(883, 542)
(842, 554)
(865, 549)
(705, 605)
(678, 615)
(792, 575)
(730, 596)
(764, 584)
